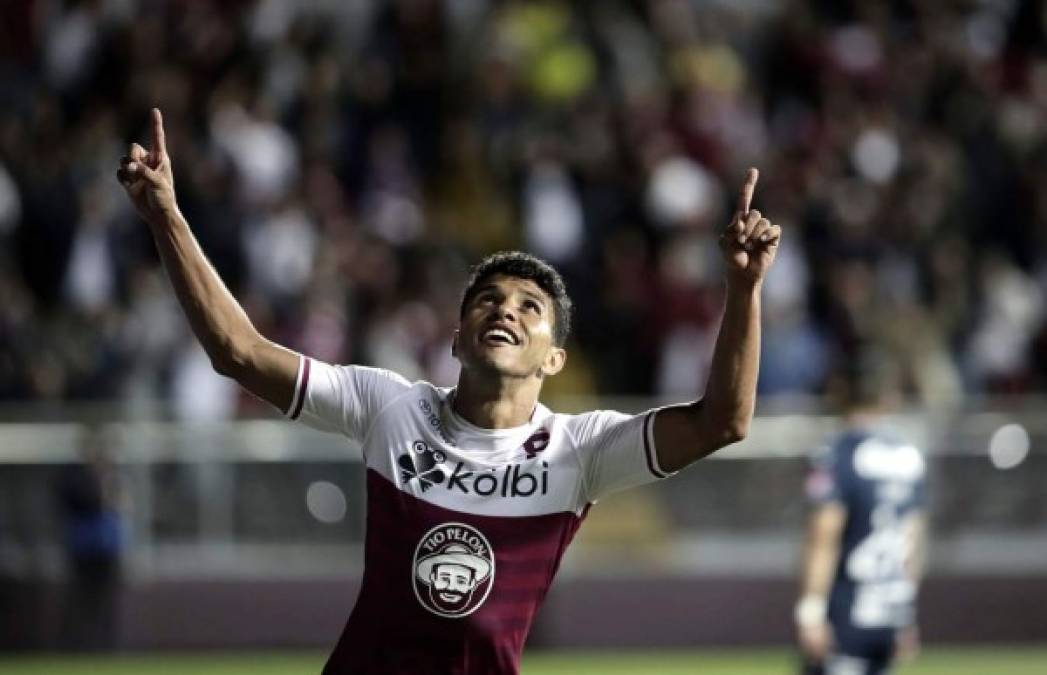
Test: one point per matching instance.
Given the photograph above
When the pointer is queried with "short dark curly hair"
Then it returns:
(525, 266)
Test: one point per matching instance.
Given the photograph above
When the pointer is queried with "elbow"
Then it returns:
(228, 361)
(223, 366)
(720, 428)
(735, 431)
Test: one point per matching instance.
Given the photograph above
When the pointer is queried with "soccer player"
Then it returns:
(864, 551)
(473, 492)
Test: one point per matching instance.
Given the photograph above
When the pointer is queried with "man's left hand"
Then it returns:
(750, 241)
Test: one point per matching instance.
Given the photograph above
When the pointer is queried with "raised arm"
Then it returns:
(686, 433)
(235, 347)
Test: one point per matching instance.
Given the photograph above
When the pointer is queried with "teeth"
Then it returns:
(499, 332)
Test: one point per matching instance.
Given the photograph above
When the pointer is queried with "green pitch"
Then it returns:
(937, 661)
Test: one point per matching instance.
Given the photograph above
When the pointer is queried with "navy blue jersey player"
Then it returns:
(862, 559)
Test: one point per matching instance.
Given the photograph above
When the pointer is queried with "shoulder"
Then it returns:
(374, 390)
(378, 376)
(313, 372)
(582, 426)
(851, 439)
(419, 394)
(833, 449)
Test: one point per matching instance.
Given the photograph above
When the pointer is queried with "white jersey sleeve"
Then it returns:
(616, 451)
(343, 399)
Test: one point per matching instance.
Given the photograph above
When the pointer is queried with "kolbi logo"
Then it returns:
(426, 464)
(453, 570)
(510, 481)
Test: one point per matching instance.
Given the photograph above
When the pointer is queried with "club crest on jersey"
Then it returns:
(538, 441)
(422, 463)
(453, 570)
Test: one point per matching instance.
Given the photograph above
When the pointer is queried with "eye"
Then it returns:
(532, 306)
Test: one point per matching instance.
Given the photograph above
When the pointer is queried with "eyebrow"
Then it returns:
(535, 296)
(483, 289)
(530, 294)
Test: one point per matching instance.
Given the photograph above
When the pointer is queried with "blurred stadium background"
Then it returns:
(343, 161)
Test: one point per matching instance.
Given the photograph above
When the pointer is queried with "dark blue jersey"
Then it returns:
(880, 480)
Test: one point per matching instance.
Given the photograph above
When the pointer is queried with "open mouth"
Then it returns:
(450, 597)
(498, 335)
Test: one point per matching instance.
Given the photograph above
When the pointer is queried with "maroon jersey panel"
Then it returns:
(447, 592)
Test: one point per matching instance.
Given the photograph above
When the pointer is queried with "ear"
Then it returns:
(454, 343)
(555, 360)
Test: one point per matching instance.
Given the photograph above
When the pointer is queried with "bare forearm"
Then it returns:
(216, 318)
(730, 394)
(819, 568)
(687, 432)
(916, 532)
(822, 549)
(235, 347)
(821, 553)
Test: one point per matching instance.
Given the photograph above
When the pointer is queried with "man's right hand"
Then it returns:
(816, 640)
(907, 644)
(147, 176)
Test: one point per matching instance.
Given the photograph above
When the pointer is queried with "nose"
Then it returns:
(504, 312)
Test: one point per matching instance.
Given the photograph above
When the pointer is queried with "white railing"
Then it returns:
(214, 465)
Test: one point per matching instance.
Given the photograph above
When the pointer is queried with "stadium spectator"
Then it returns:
(89, 496)
(906, 144)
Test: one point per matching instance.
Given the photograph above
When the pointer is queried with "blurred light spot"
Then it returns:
(876, 155)
(856, 49)
(986, 35)
(554, 219)
(1008, 446)
(680, 189)
(326, 501)
(563, 72)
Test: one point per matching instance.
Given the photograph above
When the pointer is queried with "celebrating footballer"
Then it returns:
(473, 492)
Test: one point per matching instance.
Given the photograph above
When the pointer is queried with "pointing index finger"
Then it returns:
(159, 143)
(745, 197)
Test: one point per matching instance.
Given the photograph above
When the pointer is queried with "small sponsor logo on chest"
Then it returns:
(434, 421)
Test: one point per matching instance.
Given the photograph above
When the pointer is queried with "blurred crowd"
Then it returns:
(343, 162)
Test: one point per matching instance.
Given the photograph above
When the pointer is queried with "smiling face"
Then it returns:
(451, 586)
(507, 329)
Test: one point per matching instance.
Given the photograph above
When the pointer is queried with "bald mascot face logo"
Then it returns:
(453, 570)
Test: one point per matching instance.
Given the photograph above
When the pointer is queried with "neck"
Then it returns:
(496, 403)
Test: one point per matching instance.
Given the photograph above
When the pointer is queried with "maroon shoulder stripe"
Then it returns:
(648, 450)
(303, 388)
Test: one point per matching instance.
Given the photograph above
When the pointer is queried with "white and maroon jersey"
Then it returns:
(465, 526)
